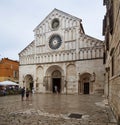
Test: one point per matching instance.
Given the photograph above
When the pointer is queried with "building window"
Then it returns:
(112, 66)
(111, 18)
(15, 74)
(105, 2)
(55, 23)
(104, 58)
(104, 25)
(107, 41)
(55, 42)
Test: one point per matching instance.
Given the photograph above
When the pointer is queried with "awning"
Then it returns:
(6, 83)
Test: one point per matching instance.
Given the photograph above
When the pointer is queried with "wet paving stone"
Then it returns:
(48, 109)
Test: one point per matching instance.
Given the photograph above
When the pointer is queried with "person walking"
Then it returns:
(56, 89)
(27, 94)
(22, 93)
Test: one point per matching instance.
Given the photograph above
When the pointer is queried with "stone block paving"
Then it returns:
(51, 109)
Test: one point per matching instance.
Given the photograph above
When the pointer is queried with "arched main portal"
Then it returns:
(56, 81)
(29, 82)
(54, 76)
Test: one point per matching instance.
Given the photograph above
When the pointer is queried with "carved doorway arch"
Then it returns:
(85, 86)
(29, 82)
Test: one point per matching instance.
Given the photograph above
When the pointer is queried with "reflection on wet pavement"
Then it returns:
(51, 109)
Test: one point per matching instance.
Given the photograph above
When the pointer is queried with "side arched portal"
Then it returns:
(29, 82)
(85, 85)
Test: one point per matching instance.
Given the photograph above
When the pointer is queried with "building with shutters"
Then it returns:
(9, 70)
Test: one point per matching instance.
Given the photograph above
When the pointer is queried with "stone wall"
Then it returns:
(113, 56)
(70, 72)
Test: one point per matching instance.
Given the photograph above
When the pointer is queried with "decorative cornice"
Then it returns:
(100, 58)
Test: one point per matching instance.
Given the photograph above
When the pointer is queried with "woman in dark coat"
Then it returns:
(22, 93)
(27, 94)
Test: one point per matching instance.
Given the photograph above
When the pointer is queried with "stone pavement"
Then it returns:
(51, 109)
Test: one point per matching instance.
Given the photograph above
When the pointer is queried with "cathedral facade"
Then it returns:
(62, 56)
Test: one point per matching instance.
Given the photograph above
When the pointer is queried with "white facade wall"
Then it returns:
(78, 55)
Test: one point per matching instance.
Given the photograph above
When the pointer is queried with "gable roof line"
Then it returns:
(94, 38)
(85, 35)
(26, 47)
(60, 12)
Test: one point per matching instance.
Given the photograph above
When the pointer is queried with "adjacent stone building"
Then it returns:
(62, 55)
(9, 70)
(111, 30)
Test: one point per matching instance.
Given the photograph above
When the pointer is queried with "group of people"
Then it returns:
(25, 92)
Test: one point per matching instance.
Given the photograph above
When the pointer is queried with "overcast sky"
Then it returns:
(18, 18)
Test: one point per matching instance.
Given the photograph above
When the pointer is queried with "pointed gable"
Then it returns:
(61, 35)
(66, 20)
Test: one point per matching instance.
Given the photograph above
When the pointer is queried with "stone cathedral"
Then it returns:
(63, 56)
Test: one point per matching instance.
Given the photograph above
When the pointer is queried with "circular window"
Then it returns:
(55, 23)
(55, 42)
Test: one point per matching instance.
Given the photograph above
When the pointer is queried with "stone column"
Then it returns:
(35, 79)
(66, 86)
(34, 85)
(62, 84)
(77, 43)
(50, 84)
(92, 82)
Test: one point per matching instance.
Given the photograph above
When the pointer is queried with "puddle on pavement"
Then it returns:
(75, 115)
